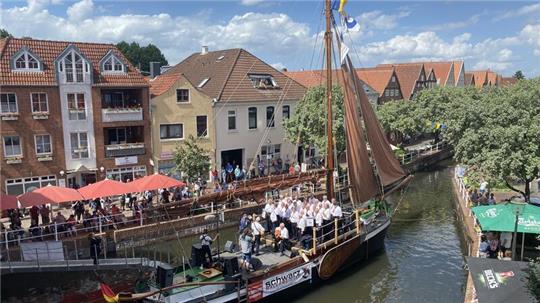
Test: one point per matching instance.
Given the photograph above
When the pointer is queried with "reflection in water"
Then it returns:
(422, 261)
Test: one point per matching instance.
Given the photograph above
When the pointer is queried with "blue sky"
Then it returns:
(501, 35)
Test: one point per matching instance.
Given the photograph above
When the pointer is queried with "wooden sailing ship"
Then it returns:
(373, 173)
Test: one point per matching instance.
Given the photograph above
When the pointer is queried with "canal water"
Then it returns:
(422, 260)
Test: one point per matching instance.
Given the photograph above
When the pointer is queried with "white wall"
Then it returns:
(70, 126)
(250, 140)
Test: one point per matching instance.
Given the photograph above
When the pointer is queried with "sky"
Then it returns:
(503, 36)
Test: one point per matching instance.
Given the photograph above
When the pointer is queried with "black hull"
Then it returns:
(367, 249)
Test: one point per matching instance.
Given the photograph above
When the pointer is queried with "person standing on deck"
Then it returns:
(258, 232)
(327, 220)
(246, 244)
(267, 211)
(283, 239)
(95, 247)
(206, 242)
(336, 212)
(274, 216)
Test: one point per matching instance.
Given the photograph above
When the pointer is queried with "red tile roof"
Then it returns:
(228, 70)
(441, 69)
(480, 78)
(162, 83)
(493, 78)
(378, 79)
(508, 81)
(407, 74)
(469, 79)
(48, 51)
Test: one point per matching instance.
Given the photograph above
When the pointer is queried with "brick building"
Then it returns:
(71, 113)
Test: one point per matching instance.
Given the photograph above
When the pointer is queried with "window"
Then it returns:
(72, 64)
(39, 103)
(286, 111)
(171, 131)
(386, 92)
(79, 145)
(202, 126)
(203, 82)
(26, 61)
(252, 118)
(116, 136)
(21, 186)
(393, 79)
(231, 115)
(12, 146)
(271, 151)
(43, 144)
(113, 64)
(270, 116)
(8, 103)
(126, 173)
(114, 99)
(76, 107)
(182, 95)
(262, 81)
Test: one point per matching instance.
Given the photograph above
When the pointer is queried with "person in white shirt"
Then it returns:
(337, 213)
(273, 216)
(267, 211)
(258, 231)
(283, 239)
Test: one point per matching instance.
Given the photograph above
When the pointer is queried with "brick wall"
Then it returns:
(26, 127)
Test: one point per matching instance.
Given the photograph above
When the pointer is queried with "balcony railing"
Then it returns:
(124, 150)
(122, 114)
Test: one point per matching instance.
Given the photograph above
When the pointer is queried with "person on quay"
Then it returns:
(206, 243)
(95, 247)
(44, 211)
(258, 232)
(34, 215)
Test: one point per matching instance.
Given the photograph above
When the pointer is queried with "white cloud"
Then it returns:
(278, 65)
(458, 24)
(524, 10)
(496, 66)
(504, 54)
(376, 20)
(531, 34)
(80, 11)
(264, 34)
(250, 2)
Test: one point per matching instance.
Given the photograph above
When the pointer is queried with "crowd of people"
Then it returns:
(288, 220)
(496, 245)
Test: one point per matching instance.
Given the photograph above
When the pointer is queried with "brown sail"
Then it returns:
(363, 183)
(388, 167)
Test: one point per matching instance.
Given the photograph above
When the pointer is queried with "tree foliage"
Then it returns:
(396, 116)
(496, 131)
(4, 33)
(519, 75)
(192, 160)
(141, 56)
(307, 126)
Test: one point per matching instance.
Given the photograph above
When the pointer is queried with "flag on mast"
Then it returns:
(351, 24)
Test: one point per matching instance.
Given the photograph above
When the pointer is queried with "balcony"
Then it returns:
(124, 150)
(119, 105)
(122, 114)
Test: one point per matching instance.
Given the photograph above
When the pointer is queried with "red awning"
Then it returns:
(8, 202)
(49, 194)
(155, 181)
(106, 188)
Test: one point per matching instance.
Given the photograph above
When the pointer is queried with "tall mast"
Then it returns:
(329, 131)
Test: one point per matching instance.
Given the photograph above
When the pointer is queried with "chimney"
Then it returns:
(204, 50)
(155, 69)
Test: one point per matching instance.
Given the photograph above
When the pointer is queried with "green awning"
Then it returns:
(502, 217)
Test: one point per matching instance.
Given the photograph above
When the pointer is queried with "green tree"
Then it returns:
(142, 56)
(307, 126)
(399, 116)
(4, 33)
(519, 75)
(192, 160)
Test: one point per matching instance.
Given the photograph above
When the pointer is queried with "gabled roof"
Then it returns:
(493, 78)
(407, 74)
(378, 79)
(480, 78)
(458, 69)
(228, 73)
(441, 70)
(162, 83)
(48, 51)
(469, 79)
(308, 78)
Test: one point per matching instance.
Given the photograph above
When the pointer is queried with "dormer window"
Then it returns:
(74, 67)
(262, 81)
(111, 64)
(26, 62)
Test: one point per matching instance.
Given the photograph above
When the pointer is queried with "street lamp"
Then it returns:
(517, 210)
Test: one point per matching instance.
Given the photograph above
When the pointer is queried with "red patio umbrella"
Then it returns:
(155, 181)
(106, 188)
(8, 202)
(49, 194)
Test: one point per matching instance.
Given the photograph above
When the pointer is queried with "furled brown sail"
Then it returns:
(361, 177)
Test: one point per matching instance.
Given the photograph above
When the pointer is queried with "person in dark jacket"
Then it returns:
(95, 247)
